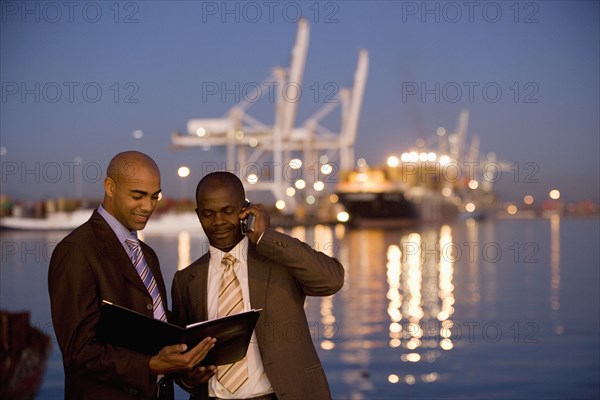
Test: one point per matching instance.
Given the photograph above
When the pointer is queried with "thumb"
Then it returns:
(173, 349)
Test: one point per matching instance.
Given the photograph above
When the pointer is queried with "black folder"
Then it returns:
(121, 326)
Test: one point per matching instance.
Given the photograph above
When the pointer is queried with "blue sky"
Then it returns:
(79, 77)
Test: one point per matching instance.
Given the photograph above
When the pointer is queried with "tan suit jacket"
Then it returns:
(282, 271)
(86, 267)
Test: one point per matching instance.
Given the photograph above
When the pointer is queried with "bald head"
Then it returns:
(221, 180)
(124, 167)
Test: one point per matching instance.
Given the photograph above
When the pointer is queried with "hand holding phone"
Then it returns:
(247, 224)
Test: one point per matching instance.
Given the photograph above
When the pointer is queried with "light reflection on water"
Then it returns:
(467, 310)
(494, 309)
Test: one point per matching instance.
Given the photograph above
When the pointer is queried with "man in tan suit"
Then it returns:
(276, 272)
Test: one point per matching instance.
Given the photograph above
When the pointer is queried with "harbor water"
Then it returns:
(499, 309)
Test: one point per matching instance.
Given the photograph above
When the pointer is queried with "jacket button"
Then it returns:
(149, 307)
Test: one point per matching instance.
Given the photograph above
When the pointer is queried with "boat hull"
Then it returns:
(391, 209)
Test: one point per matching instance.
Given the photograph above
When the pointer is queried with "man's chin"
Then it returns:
(224, 245)
(138, 226)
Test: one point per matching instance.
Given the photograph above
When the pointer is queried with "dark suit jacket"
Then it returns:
(86, 267)
(282, 271)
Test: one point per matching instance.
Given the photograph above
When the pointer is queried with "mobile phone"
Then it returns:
(247, 224)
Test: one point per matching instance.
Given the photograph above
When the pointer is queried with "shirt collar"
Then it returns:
(117, 227)
(239, 251)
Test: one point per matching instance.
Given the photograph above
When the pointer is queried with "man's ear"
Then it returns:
(109, 187)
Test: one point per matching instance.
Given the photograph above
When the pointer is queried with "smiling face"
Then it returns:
(219, 204)
(132, 189)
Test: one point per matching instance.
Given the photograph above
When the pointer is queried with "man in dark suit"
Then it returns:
(276, 272)
(93, 263)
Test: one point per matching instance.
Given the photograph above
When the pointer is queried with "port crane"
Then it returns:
(283, 145)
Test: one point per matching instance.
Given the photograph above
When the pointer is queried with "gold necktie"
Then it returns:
(231, 376)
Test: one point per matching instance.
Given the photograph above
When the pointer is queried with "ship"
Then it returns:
(423, 185)
(56, 221)
(396, 196)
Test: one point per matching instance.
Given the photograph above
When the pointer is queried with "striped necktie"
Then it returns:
(139, 262)
(231, 376)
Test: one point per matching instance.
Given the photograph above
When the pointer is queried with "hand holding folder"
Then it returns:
(121, 326)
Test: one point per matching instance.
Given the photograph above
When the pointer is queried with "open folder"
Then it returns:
(121, 326)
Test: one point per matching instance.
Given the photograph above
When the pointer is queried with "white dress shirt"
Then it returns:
(257, 384)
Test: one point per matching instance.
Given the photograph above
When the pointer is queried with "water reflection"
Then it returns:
(555, 272)
(184, 257)
(408, 297)
(324, 242)
(363, 305)
(473, 286)
(415, 302)
(421, 298)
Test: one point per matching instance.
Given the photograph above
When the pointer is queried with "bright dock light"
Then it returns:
(554, 194)
(183, 172)
(296, 163)
(252, 179)
(343, 216)
(326, 169)
(200, 132)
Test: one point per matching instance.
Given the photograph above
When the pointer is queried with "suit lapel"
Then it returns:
(258, 277)
(114, 252)
(198, 289)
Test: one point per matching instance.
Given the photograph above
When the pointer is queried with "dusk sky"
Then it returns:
(78, 78)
